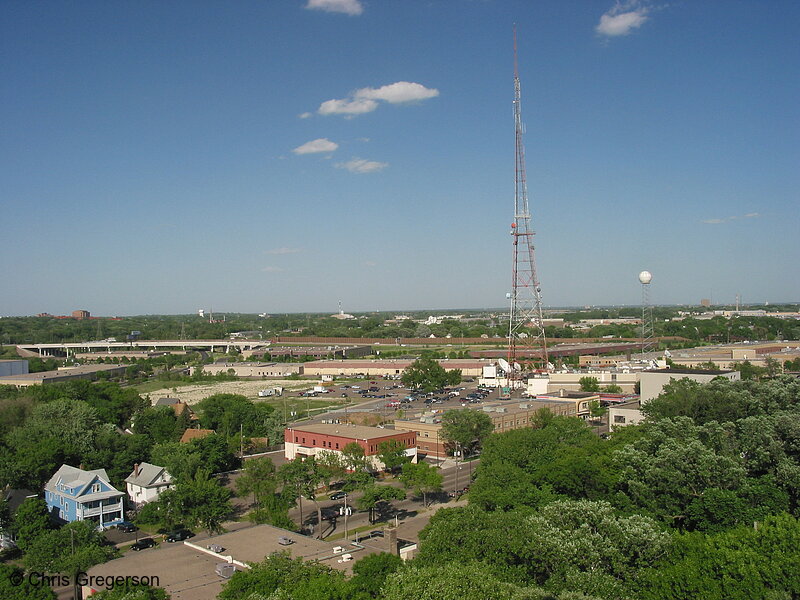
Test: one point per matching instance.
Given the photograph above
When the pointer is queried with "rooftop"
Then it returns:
(360, 432)
(689, 371)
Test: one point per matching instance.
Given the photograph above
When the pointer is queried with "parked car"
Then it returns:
(285, 541)
(143, 544)
(338, 495)
(179, 536)
(376, 533)
(127, 527)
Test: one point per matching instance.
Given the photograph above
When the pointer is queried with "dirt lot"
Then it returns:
(192, 394)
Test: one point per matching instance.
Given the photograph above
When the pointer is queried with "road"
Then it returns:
(401, 510)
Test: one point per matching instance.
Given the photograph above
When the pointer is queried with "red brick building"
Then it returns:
(309, 440)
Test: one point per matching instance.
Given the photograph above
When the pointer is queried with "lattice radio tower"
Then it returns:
(526, 337)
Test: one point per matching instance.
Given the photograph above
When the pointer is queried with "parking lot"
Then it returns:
(387, 397)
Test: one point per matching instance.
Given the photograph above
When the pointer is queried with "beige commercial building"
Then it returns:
(622, 415)
(385, 368)
(63, 374)
(653, 382)
(505, 417)
(253, 369)
(571, 381)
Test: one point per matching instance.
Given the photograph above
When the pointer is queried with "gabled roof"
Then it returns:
(195, 434)
(79, 480)
(166, 401)
(15, 497)
(147, 475)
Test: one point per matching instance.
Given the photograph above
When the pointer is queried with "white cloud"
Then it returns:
(354, 106)
(361, 165)
(272, 270)
(348, 7)
(401, 91)
(282, 250)
(365, 100)
(318, 145)
(304, 115)
(622, 18)
(751, 215)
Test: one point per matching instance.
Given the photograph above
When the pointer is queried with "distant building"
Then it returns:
(252, 369)
(310, 440)
(195, 434)
(146, 482)
(622, 415)
(12, 498)
(13, 367)
(653, 382)
(581, 401)
(73, 494)
(81, 314)
(63, 374)
(505, 417)
(705, 302)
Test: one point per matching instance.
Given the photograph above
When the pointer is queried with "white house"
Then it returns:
(146, 482)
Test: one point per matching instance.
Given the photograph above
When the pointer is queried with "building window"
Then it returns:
(95, 488)
(337, 445)
(619, 419)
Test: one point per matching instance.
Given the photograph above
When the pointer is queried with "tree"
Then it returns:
(392, 453)
(159, 423)
(25, 589)
(738, 564)
(612, 388)
(69, 550)
(31, 521)
(259, 477)
(375, 495)
(300, 479)
(204, 501)
(370, 573)
(128, 591)
(422, 478)
(180, 460)
(426, 374)
(453, 581)
(589, 384)
(566, 545)
(196, 502)
(465, 429)
(354, 457)
(281, 577)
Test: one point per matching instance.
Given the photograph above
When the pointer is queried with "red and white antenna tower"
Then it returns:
(526, 337)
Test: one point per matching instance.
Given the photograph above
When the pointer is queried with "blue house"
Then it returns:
(76, 495)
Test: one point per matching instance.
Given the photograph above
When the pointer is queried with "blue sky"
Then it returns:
(280, 156)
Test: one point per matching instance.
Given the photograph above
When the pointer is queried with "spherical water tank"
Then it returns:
(645, 277)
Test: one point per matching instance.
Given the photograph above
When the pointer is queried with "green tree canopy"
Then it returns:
(422, 478)
(465, 429)
(426, 374)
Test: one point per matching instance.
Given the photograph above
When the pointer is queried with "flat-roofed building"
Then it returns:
(622, 415)
(386, 368)
(581, 401)
(63, 374)
(571, 381)
(653, 381)
(253, 369)
(310, 440)
(13, 367)
(505, 416)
